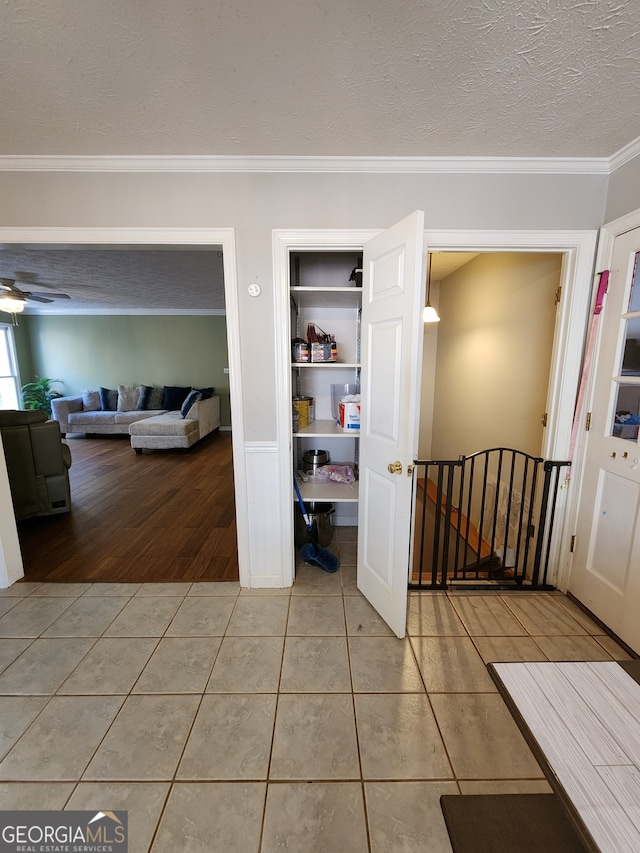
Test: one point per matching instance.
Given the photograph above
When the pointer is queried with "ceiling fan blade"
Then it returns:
(35, 298)
(47, 297)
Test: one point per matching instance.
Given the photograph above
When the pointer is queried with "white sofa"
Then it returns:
(73, 417)
(171, 430)
(188, 416)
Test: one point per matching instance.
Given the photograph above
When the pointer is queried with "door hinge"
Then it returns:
(573, 544)
(558, 295)
(544, 420)
(587, 424)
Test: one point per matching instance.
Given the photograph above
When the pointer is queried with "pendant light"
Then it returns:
(429, 315)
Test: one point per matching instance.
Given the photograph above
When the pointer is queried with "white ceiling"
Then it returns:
(389, 78)
(541, 78)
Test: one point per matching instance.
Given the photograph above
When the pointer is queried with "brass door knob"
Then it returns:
(395, 467)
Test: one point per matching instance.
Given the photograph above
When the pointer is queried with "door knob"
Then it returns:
(395, 467)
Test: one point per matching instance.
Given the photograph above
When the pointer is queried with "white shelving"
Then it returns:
(319, 294)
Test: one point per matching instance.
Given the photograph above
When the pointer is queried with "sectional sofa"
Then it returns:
(154, 417)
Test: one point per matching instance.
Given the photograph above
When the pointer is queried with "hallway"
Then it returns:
(207, 710)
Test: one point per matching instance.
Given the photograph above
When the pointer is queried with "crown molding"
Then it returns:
(366, 165)
(625, 154)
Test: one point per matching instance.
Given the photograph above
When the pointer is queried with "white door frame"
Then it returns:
(576, 276)
(578, 250)
(11, 568)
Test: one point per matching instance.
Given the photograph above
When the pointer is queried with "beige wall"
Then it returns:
(494, 344)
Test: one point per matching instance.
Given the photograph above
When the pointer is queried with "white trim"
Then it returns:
(224, 237)
(624, 155)
(257, 163)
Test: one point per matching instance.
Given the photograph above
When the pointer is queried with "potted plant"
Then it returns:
(38, 394)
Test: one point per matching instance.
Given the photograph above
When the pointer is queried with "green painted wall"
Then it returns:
(22, 341)
(94, 351)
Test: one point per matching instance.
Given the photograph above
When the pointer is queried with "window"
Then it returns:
(8, 369)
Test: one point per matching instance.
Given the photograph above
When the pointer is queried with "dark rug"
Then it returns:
(509, 823)
(632, 667)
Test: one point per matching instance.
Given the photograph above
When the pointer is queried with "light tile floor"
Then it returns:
(236, 720)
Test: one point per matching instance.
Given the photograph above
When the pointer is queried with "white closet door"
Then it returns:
(392, 334)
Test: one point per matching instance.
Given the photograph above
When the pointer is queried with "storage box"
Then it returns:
(323, 352)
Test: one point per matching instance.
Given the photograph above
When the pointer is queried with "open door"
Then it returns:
(392, 303)
(606, 563)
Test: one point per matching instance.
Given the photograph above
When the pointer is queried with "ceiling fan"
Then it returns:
(13, 299)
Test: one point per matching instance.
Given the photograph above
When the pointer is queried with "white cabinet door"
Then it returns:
(605, 574)
(392, 333)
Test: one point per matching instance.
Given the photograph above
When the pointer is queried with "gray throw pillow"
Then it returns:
(128, 397)
(91, 401)
(155, 398)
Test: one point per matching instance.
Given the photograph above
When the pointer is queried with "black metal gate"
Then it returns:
(484, 520)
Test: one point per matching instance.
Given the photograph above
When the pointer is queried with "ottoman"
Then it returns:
(163, 432)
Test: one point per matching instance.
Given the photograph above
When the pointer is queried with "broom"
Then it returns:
(312, 552)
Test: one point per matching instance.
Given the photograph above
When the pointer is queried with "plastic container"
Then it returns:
(338, 391)
(312, 459)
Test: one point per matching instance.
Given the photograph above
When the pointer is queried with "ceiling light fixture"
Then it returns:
(429, 315)
(12, 304)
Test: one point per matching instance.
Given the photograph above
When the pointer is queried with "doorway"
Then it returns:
(116, 238)
(486, 365)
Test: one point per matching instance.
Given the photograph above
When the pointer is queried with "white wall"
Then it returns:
(494, 349)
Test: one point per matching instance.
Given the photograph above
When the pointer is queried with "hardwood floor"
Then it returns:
(159, 516)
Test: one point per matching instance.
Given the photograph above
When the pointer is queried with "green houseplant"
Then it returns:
(38, 394)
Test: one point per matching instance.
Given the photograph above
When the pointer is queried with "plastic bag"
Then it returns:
(337, 473)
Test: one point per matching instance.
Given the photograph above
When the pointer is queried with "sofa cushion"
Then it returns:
(88, 418)
(155, 398)
(91, 400)
(19, 417)
(192, 397)
(108, 399)
(128, 397)
(174, 397)
(171, 423)
(132, 417)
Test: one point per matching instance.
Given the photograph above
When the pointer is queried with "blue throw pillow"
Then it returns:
(192, 398)
(108, 399)
(174, 397)
(206, 392)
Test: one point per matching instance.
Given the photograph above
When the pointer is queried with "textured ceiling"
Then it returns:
(330, 77)
(117, 280)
